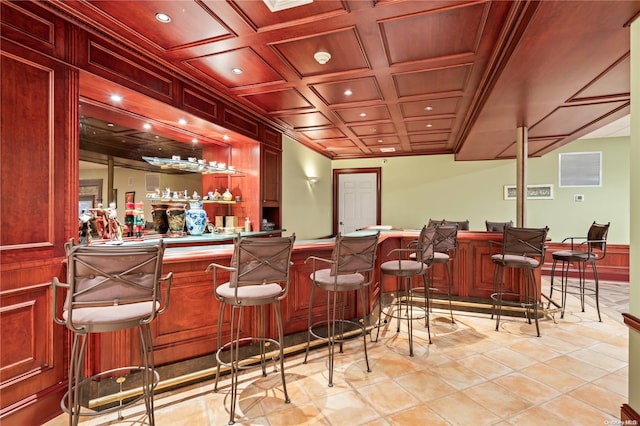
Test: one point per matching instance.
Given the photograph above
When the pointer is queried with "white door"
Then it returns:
(357, 199)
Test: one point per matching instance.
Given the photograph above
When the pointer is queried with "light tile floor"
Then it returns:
(576, 373)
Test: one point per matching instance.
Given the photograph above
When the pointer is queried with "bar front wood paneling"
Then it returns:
(188, 328)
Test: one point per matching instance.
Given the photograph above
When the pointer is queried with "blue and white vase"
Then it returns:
(196, 218)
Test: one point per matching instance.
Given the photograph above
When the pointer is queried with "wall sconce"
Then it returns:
(312, 180)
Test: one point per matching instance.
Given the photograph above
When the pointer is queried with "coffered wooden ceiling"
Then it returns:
(426, 77)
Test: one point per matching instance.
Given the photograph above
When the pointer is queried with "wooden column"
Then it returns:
(522, 145)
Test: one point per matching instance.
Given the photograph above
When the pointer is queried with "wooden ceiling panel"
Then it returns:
(280, 100)
(374, 129)
(346, 53)
(417, 139)
(428, 36)
(381, 141)
(484, 67)
(348, 91)
(445, 106)
(191, 22)
(436, 81)
(536, 146)
(338, 144)
(429, 147)
(319, 134)
(570, 119)
(612, 82)
(306, 120)
(254, 70)
(429, 124)
(372, 113)
(346, 152)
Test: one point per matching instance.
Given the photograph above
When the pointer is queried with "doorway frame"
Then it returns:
(336, 195)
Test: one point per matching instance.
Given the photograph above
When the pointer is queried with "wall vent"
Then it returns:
(580, 169)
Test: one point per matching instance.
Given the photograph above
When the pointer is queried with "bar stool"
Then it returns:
(258, 276)
(589, 249)
(111, 288)
(497, 226)
(524, 249)
(352, 266)
(445, 248)
(404, 268)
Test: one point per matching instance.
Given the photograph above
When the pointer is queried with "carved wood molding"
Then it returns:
(632, 321)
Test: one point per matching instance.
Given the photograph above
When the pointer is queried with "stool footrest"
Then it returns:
(356, 329)
(132, 395)
(249, 361)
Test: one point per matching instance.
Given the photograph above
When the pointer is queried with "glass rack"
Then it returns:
(191, 165)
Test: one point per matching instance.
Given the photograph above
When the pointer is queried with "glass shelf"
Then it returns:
(189, 166)
(163, 200)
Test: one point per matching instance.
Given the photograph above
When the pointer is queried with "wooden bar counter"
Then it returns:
(188, 329)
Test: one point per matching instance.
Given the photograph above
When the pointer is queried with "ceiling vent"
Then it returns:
(278, 5)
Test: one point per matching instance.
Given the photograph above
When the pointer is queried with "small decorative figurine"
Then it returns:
(139, 219)
(114, 228)
(84, 222)
(227, 196)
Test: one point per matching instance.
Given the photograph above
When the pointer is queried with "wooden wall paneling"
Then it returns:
(111, 62)
(271, 165)
(298, 299)
(189, 327)
(27, 24)
(27, 173)
(32, 360)
(39, 209)
(295, 312)
(200, 104)
(272, 138)
(241, 123)
(245, 156)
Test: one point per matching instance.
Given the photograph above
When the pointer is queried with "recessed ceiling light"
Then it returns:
(380, 141)
(363, 114)
(236, 70)
(428, 108)
(163, 17)
(110, 124)
(194, 140)
(225, 137)
(157, 137)
(146, 126)
(182, 121)
(348, 92)
(390, 149)
(116, 98)
(429, 125)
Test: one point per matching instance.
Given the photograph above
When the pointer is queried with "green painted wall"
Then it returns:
(417, 188)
